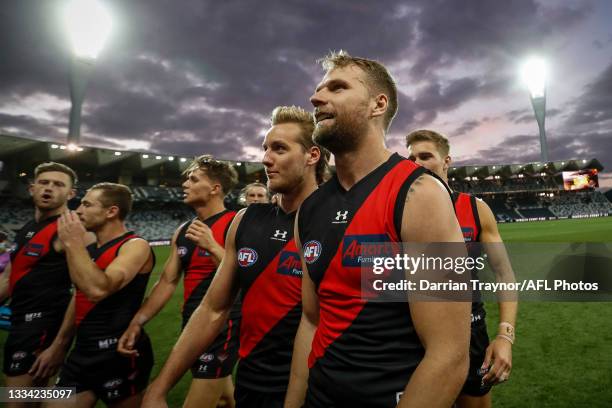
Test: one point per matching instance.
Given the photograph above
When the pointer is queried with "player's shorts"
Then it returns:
(219, 359)
(109, 375)
(479, 341)
(248, 398)
(25, 342)
(324, 392)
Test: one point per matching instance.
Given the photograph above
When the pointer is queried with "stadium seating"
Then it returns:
(158, 211)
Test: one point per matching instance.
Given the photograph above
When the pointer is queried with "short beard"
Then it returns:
(345, 134)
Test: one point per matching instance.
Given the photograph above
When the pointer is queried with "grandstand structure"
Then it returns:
(535, 191)
(515, 192)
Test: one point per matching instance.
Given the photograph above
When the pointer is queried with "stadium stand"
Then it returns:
(515, 192)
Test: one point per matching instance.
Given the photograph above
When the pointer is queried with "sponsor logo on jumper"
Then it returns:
(202, 252)
(29, 235)
(280, 235)
(107, 343)
(203, 368)
(312, 251)
(32, 249)
(468, 234)
(31, 316)
(247, 257)
(341, 217)
(359, 250)
(182, 251)
(476, 317)
(289, 264)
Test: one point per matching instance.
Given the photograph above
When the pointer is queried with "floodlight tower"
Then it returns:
(88, 24)
(534, 73)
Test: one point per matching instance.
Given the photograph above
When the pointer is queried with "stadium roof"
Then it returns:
(25, 154)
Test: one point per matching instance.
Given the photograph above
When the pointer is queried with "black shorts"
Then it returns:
(219, 359)
(324, 392)
(25, 342)
(109, 375)
(248, 398)
(479, 341)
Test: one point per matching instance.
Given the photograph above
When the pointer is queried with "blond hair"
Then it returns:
(378, 77)
(305, 120)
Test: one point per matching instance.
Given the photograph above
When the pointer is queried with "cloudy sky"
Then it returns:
(199, 76)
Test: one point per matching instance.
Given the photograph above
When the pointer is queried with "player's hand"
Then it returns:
(153, 399)
(499, 353)
(70, 230)
(128, 339)
(48, 362)
(201, 235)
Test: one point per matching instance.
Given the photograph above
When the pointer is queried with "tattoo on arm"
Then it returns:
(414, 186)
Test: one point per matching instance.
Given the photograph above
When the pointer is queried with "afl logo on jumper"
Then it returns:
(207, 358)
(468, 234)
(312, 251)
(182, 251)
(246, 257)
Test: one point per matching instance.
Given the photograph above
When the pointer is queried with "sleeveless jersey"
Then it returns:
(270, 277)
(469, 221)
(366, 349)
(197, 263)
(39, 284)
(101, 324)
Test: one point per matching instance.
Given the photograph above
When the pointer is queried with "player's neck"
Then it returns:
(211, 208)
(290, 202)
(40, 215)
(445, 178)
(355, 165)
(109, 231)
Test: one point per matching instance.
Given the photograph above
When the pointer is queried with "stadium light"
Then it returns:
(534, 74)
(88, 25)
(145, 156)
(54, 146)
(157, 157)
(117, 153)
(171, 158)
(183, 160)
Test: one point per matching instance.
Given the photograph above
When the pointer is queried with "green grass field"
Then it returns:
(563, 353)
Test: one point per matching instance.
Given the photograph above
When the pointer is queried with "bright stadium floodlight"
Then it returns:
(88, 25)
(534, 74)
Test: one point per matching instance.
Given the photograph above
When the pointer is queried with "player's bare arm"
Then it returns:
(298, 378)
(85, 274)
(443, 327)
(160, 295)
(4, 283)
(50, 360)
(205, 324)
(201, 234)
(498, 357)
